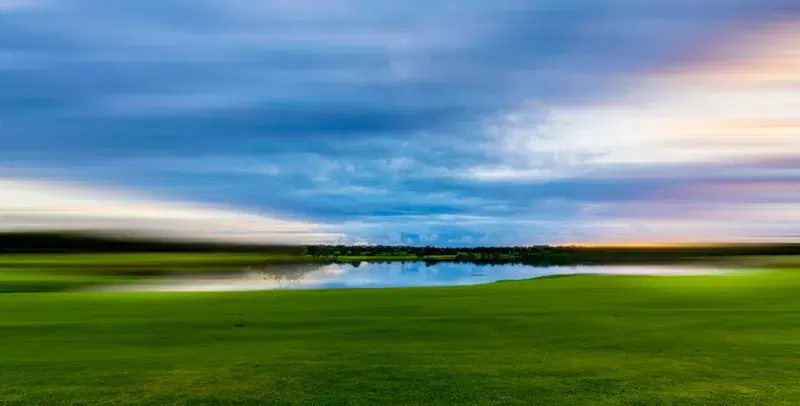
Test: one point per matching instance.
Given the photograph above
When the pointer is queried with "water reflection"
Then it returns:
(374, 275)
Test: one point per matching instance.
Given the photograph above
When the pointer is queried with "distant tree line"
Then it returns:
(538, 254)
(544, 254)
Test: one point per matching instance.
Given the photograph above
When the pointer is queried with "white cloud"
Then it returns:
(37, 204)
(11, 5)
(738, 107)
(494, 173)
(733, 118)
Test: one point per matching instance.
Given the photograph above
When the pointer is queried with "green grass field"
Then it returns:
(570, 340)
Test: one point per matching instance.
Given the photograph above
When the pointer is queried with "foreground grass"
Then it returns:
(574, 340)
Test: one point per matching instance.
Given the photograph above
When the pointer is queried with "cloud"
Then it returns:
(737, 108)
(717, 140)
(483, 122)
(16, 5)
(35, 204)
(495, 173)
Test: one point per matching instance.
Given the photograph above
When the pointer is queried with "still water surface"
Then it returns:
(375, 275)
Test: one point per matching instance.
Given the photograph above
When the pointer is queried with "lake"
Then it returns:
(380, 275)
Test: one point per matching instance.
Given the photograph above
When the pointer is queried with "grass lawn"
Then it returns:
(570, 340)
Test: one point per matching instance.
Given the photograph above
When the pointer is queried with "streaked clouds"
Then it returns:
(738, 106)
(38, 205)
(502, 122)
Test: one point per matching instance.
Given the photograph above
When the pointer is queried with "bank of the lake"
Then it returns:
(386, 275)
(572, 340)
(44, 272)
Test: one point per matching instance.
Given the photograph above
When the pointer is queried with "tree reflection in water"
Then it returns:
(285, 275)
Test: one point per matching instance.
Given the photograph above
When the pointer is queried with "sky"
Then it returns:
(502, 122)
